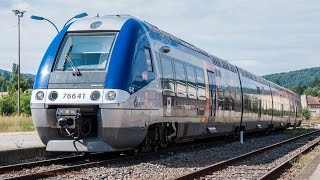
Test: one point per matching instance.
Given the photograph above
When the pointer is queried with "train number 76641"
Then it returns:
(73, 95)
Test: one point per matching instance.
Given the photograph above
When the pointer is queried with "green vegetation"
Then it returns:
(16, 124)
(297, 131)
(306, 113)
(305, 81)
(9, 81)
(8, 102)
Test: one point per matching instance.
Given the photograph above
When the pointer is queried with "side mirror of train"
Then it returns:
(165, 49)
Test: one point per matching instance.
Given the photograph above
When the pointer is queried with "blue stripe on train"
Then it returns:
(42, 77)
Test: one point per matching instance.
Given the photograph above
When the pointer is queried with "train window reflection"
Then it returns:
(167, 74)
(201, 84)
(88, 52)
(180, 78)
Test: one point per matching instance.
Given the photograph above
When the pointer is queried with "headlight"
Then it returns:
(95, 95)
(39, 95)
(111, 95)
(53, 95)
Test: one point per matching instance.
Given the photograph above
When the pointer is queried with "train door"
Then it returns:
(212, 96)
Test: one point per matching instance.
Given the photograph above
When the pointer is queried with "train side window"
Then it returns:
(180, 79)
(201, 84)
(167, 76)
(149, 59)
(141, 75)
(192, 84)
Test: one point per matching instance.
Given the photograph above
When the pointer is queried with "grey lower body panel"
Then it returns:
(106, 137)
(83, 145)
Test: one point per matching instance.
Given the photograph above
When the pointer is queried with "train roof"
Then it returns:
(217, 61)
(115, 22)
(108, 22)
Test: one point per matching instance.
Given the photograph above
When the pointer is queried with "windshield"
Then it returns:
(87, 52)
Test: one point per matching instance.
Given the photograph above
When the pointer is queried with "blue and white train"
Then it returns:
(115, 83)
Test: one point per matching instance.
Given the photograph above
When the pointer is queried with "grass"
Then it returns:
(297, 131)
(16, 124)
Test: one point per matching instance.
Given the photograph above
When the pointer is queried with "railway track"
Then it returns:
(244, 164)
(78, 162)
(63, 164)
(75, 163)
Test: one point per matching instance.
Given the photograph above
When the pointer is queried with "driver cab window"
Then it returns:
(85, 52)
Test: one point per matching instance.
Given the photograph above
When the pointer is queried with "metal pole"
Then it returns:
(19, 65)
(241, 137)
(20, 15)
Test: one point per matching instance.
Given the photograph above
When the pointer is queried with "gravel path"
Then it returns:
(171, 165)
(298, 169)
(256, 166)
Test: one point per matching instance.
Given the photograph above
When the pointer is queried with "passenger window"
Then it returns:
(201, 84)
(180, 78)
(192, 85)
(149, 59)
(167, 75)
(141, 76)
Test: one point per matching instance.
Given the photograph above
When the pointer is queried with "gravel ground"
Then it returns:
(299, 165)
(165, 165)
(171, 165)
(256, 166)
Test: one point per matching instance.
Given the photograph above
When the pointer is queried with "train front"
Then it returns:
(76, 80)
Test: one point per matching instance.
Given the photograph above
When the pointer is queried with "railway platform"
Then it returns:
(19, 140)
(311, 171)
(17, 146)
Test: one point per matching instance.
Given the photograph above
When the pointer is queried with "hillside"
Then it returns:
(7, 81)
(31, 76)
(303, 77)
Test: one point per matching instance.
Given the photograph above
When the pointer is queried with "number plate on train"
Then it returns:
(74, 95)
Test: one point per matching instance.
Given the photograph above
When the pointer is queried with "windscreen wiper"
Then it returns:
(76, 71)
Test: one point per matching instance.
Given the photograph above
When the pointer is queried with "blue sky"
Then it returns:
(262, 36)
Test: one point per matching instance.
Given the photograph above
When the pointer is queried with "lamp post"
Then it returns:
(42, 18)
(81, 15)
(19, 14)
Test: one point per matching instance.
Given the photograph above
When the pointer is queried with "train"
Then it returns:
(115, 83)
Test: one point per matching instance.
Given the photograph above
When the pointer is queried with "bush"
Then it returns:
(25, 104)
(306, 113)
(8, 104)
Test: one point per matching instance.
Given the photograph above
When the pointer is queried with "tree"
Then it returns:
(278, 82)
(306, 113)
(298, 89)
(315, 83)
(311, 91)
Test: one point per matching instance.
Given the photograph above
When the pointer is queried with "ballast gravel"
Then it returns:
(172, 165)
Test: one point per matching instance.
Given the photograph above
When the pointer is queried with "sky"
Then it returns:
(262, 36)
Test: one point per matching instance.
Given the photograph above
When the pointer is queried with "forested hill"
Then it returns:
(302, 78)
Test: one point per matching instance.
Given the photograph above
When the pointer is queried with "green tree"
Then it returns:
(312, 91)
(278, 82)
(306, 113)
(25, 103)
(315, 83)
(7, 105)
(298, 89)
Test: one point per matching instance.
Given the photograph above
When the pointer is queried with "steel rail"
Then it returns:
(17, 167)
(95, 163)
(55, 172)
(271, 174)
(222, 164)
